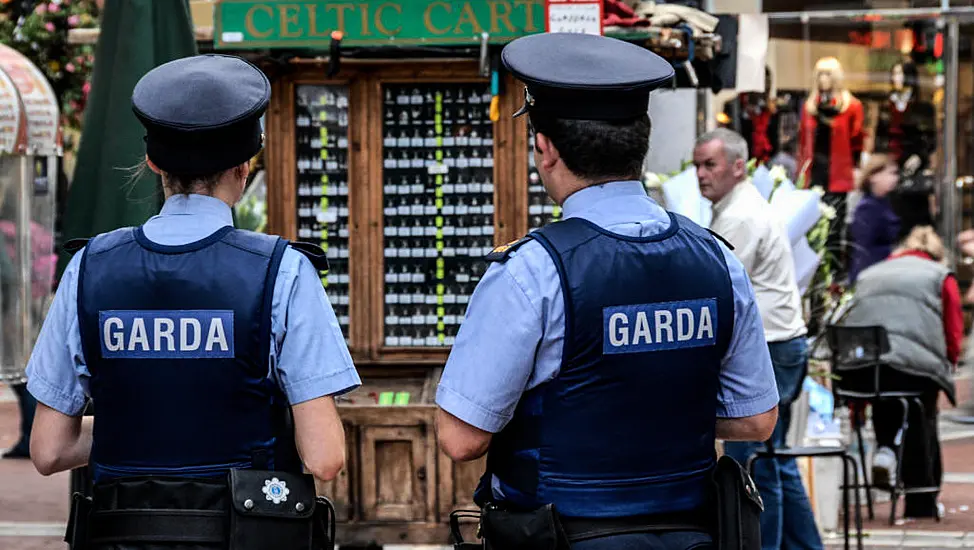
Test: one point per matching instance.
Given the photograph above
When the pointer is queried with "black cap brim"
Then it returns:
(202, 114)
(576, 76)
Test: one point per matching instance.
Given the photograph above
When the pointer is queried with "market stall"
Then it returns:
(29, 150)
(29, 147)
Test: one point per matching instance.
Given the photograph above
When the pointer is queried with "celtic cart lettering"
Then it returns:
(242, 24)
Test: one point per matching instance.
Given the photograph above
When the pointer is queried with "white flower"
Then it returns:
(818, 189)
(777, 173)
(828, 212)
(653, 179)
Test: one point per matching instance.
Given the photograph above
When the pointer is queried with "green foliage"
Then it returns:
(250, 214)
(42, 36)
(819, 233)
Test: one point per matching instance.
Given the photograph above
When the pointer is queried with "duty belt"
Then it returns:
(579, 529)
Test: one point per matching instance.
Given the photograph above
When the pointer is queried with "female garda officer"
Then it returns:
(192, 338)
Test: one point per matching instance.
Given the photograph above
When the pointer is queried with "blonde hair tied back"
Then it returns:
(924, 239)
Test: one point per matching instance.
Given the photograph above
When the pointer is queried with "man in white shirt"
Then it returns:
(745, 219)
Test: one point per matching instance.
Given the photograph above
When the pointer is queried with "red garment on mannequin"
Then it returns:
(761, 143)
(846, 144)
(896, 118)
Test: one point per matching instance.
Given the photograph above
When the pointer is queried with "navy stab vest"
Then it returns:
(177, 341)
(628, 425)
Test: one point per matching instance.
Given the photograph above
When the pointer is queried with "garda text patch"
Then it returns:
(160, 334)
(658, 327)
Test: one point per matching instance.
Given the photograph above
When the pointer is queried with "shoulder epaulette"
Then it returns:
(313, 252)
(75, 245)
(504, 251)
(721, 239)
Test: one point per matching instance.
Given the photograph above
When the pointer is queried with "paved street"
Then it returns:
(33, 508)
(956, 530)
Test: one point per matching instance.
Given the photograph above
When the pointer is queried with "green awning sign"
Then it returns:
(246, 24)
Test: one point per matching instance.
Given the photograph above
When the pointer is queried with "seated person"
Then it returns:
(916, 298)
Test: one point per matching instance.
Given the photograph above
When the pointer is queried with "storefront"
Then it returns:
(904, 76)
(405, 165)
(906, 72)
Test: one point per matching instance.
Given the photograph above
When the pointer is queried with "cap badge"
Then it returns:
(275, 490)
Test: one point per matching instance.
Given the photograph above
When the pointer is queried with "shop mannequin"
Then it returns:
(830, 131)
(759, 121)
(830, 140)
(906, 129)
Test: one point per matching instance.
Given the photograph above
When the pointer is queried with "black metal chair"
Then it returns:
(848, 463)
(861, 347)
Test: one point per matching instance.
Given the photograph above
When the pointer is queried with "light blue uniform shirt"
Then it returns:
(511, 340)
(309, 358)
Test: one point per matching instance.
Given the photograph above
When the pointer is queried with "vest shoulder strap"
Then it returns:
(258, 243)
(567, 234)
(312, 252)
(107, 241)
(504, 251)
(74, 245)
(721, 239)
(692, 227)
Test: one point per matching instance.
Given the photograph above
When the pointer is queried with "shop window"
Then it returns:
(878, 85)
(771, 6)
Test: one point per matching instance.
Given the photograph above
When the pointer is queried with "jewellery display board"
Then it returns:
(401, 173)
(438, 207)
(321, 140)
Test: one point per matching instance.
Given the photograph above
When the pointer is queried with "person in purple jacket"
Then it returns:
(875, 226)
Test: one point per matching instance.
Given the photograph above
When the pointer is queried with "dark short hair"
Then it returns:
(911, 75)
(596, 150)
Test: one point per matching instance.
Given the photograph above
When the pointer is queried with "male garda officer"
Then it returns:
(192, 338)
(603, 354)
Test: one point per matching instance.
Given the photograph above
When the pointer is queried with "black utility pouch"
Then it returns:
(76, 534)
(271, 510)
(739, 507)
(516, 530)
(456, 532)
(324, 528)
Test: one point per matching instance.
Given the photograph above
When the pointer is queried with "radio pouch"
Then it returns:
(739, 507)
(272, 510)
(76, 534)
(538, 529)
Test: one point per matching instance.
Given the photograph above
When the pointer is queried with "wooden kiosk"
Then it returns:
(406, 166)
